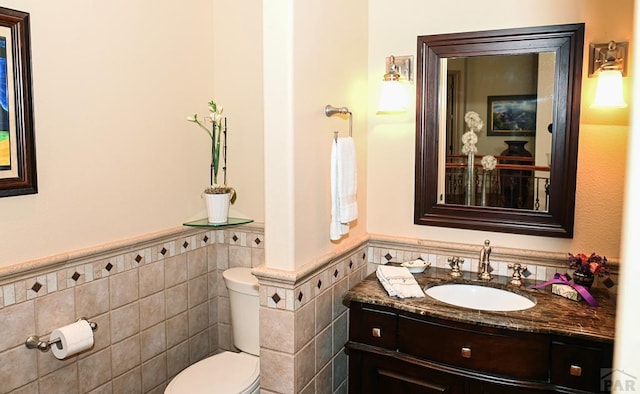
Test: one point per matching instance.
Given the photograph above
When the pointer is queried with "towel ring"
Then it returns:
(330, 110)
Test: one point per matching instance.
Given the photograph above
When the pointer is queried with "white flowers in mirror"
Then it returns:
(489, 162)
(469, 138)
(473, 121)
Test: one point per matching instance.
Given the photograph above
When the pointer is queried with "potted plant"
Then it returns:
(586, 267)
(217, 196)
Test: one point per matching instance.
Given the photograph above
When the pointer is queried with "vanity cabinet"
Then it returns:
(394, 351)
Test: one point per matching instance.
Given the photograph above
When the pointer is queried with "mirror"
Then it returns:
(524, 85)
(513, 96)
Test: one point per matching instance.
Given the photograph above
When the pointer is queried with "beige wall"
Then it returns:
(314, 54)
(79, 115)
(602, 147)
(112, 84)
(237, 77)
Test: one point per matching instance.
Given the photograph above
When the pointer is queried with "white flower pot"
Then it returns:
(217, 207)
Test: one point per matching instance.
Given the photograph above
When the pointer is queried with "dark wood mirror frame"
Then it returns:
(566, 41)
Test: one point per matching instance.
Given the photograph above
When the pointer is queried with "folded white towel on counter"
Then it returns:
(398, 282)
(344, 206)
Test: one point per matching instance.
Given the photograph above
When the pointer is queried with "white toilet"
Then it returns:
(230, 372)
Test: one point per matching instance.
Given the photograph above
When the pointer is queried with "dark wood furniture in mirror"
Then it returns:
(566, 42)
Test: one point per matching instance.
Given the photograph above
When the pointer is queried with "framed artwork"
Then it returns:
(512, 115)
(17, 144)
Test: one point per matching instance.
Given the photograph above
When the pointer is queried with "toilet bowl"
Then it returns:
(230, 372)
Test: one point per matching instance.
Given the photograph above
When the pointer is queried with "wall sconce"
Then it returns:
(608, 62)
(394, 96)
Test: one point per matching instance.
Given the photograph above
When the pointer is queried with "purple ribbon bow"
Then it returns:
(562, 279)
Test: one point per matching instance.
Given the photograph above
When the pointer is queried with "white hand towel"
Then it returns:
(398, 281)
(344, 207)
(347, 180)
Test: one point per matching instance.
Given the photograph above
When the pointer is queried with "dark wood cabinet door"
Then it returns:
(519, 355)
(579, 365)
(477, 387)
(387, 375)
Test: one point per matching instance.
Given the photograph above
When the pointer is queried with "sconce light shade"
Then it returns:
(394, 95)
(609, 90)
(608, 62)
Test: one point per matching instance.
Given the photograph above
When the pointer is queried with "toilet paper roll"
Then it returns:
(74, 338)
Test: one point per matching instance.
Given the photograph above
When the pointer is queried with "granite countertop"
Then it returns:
(551, 315)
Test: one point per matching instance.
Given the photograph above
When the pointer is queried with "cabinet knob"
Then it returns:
(465, 352)
(575, 370)
(376, 332)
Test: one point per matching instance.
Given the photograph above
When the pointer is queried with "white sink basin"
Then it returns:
(479, 297)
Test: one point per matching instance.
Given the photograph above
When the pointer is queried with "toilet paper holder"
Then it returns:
(34, 342)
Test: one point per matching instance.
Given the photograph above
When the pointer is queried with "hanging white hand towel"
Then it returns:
(398, 281)
(344, 206)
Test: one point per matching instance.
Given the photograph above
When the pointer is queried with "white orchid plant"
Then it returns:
(215, 131)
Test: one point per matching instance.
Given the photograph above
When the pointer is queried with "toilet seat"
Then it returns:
(224, 373)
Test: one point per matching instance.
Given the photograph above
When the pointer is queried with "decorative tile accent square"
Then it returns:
(274, 299)
(36, 287)
(303, 294)
(72, 277)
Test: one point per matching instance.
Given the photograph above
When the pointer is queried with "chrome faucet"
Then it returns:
(483, 262)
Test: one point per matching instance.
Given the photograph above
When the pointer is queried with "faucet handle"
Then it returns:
(516, 278)
(454, 263)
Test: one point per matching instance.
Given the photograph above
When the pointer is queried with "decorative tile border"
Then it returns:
(40, 280)
(289, 293)
(282, 291)
(541, 266)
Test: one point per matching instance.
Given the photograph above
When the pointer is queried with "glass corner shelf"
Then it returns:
(205, 223)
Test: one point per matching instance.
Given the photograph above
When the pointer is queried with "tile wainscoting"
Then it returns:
(161, 304)
(303, 323)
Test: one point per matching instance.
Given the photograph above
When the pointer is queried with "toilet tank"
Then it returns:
(245, 308)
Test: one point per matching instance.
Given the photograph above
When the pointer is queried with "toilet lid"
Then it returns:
(224, 373)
